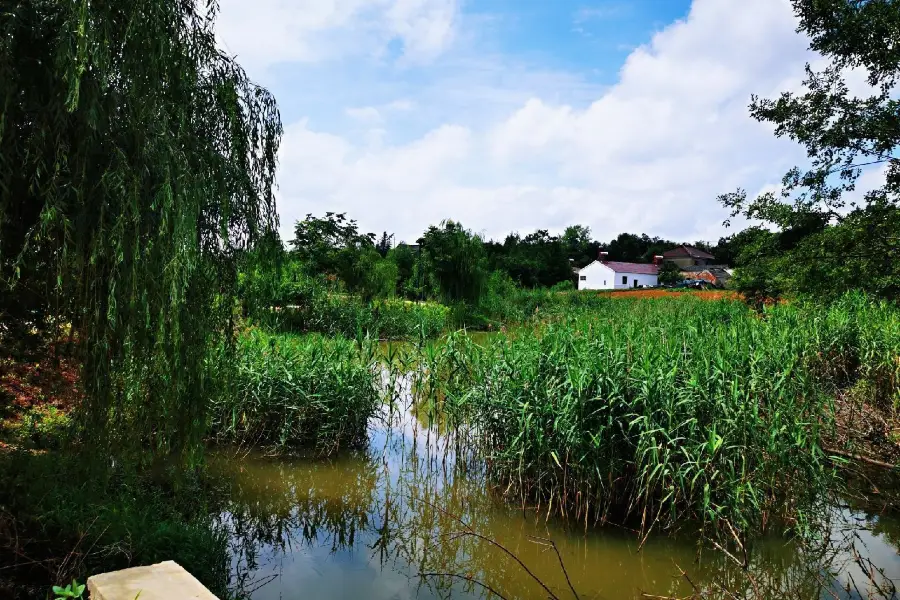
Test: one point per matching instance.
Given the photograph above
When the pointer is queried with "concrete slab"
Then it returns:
(163, 581)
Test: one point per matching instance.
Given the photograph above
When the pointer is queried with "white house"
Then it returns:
(604, 274)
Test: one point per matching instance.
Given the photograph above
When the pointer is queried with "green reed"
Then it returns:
(659, 411)
(292, 391)
(350, 316)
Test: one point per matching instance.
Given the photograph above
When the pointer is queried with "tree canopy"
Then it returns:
(822, 242)
(456, 259)
(536, 260)
(136, 163)
(333, 246)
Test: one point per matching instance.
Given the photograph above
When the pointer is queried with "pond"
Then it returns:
(412, 516)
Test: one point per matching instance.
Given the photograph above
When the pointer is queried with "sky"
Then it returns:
(517, 115)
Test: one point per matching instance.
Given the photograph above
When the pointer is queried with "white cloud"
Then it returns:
(368, 114)
(425, 26)
(401, 105)
(381, 188)
(648, 154)
(377, 114)
(263, 33)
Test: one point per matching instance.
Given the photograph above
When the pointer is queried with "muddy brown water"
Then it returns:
(382, 523)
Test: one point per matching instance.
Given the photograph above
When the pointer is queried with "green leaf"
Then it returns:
(556, 458)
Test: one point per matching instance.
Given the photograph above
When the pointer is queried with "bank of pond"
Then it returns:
(670, 447)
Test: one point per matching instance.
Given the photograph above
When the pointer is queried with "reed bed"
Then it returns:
(664, 411)
(298, 391)
(349, 316)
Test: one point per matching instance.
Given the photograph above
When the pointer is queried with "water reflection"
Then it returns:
(367, 524)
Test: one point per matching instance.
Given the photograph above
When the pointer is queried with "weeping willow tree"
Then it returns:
(137, 163)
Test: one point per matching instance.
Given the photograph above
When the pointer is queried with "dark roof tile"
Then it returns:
(636, 268)
(689, 251)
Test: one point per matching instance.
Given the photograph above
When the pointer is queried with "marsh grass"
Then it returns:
(298, 391)
(661, 412)
(320, 311)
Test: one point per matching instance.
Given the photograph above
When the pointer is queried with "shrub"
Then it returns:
(302, 304)
(44, 427)
(349, 316)
(73, 520)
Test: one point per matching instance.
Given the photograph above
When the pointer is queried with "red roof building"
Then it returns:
(605, 274)
(627, 267)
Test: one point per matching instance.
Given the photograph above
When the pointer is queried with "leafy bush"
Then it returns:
(76, 518)
(349, 316)
(303, 304)
(44, 427)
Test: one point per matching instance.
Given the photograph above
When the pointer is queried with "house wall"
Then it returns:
(687, 261)
(597, 276)
(642, 280)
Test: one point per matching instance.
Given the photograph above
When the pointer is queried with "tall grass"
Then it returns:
(663, 410)
(856, 340)
(349, 316)
(303, 304)
(507, 304)
(294, 391)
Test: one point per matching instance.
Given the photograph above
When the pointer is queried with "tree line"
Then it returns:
(452, 263)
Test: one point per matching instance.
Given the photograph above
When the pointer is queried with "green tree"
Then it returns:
(456, 259)
(669, 273)
(330, 245)
(629, 247)
(537, 260)
(825, 243)
(385, 277)
(384, 244)
(405, 259)
(374, 277)
(729, 248)
(260, 275)
(576, 240)
(760, 273)
(136, 162)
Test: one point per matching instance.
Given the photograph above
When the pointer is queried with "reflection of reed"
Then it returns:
(822, 566)
(280, 505)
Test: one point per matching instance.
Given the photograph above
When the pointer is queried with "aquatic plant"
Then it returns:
(303, 304)
(663, 410)
(298, 391)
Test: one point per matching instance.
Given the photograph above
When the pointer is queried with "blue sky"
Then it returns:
(513, 115)
(593, 37)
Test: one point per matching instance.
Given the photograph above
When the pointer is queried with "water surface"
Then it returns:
(382, 522)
